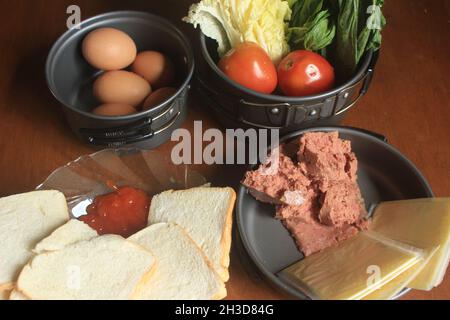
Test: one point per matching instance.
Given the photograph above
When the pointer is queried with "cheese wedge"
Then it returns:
(24, 220)
(103, 268)
(422, 223)
(183, 271)
(353, 270)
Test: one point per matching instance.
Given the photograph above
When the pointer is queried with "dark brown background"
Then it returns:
(408, 101)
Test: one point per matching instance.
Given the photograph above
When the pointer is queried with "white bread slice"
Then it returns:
(4, 294)
(72, 232)
(7, 286)
(183, 272)
(24, 220)
(5, 291)
(206, 214)
(17, 295)
(104, 268)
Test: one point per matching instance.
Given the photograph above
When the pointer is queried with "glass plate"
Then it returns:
(92, 175)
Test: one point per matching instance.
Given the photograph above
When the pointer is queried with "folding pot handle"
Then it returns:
(116, 132)
(367, 79)
(138, 131)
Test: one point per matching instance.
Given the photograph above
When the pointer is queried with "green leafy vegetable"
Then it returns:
(347, 36)
(310, 26)
(370, 37)
(321, 33)
(304, 10)
(359, 25)
(341, 30)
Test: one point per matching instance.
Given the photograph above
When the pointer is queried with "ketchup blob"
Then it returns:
(123, 212)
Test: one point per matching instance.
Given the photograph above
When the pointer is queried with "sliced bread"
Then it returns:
(103, 268)
(183, 273)
(4, 294)
(24, 220)
(72, 232)
(17, 295)
(206, 214)
(5, 291)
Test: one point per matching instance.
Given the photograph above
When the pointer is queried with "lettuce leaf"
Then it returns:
(230, 22)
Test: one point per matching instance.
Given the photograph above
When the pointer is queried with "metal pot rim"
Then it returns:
(118, 14)
(245, 241)
(365, 65)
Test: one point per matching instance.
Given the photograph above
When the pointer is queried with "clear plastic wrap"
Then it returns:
(92, 175)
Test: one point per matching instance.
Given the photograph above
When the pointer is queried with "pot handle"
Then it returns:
(120, 136)
(302, 113)
(116, 132)
(367, 80)
(206, 91)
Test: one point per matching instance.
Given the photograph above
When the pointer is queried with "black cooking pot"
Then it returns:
(384, 174)
(70, 79)
(237, 106)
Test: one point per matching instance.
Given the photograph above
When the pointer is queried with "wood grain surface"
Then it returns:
(409, 101)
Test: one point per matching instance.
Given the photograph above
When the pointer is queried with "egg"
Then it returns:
(121, 87)
(114, 110)
(158, 97)
(155, 67)
(109, 49)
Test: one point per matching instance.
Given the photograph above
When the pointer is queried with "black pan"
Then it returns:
(384, 174)
(70, 79)
(238, 107)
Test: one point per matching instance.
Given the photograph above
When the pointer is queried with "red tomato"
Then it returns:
(250, 66)
(304, 73)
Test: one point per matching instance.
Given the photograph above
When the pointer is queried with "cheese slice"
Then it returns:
(392, 289)
(422, 223)
(353, 270)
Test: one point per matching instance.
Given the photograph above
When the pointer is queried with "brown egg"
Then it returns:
(121, 87)
(155, 67)
(114, 110)
(109, 49)
(158, 97)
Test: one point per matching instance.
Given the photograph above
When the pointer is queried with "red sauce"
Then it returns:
(123, 212)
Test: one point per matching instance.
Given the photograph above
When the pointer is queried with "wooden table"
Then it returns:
(409, 101)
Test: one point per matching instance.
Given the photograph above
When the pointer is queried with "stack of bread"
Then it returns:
(182, 255)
